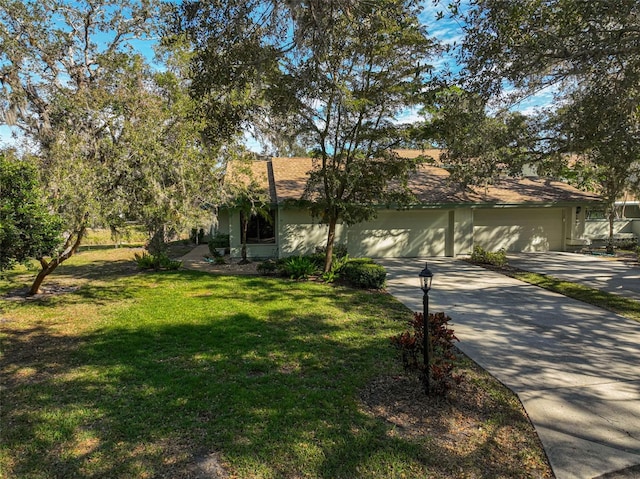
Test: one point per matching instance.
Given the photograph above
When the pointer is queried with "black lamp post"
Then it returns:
(426, 276)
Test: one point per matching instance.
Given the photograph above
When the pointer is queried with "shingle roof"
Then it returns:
(433, 153)
(290, 175)
(259, 170)
(431, 186)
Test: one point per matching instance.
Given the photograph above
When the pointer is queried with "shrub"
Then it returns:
(442, 357)
(339, 250)
(219, 241)
(144, 260)
(268, 267)
(157, 262)
(481, 256)
(298, 267)
(336, 266)
(362, 261)
(318, 259)
(627, 244)
(364, 273)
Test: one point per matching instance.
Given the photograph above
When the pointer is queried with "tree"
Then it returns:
(477, 146)
(609, 158)
(586, 53)
(562, 44)
(245, 192)
(27, 228)
(334, 75)
(115, 140)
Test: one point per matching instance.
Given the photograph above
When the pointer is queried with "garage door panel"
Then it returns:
(520, 229)
(400, 234)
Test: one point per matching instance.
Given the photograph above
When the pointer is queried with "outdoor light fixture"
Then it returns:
(426, 276)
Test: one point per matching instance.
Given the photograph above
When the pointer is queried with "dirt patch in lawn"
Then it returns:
(480, 423)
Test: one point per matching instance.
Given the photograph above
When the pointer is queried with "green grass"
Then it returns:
(127, 235)
(612, 302)
(153, 375)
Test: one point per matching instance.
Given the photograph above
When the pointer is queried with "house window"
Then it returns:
(261, 230)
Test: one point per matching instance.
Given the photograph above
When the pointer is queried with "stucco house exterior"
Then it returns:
(517, 214)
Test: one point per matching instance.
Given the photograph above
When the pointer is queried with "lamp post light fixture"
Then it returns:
(426, 276)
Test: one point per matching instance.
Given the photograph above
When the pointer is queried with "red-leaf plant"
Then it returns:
(443, 357)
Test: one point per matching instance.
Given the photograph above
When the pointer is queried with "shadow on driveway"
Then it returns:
(575, 367)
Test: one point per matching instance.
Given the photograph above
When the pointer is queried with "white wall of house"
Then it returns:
(462, 232)
(300, 234)
(600, 228)
(519, 229)
(221, 223)
(397, 234)
(422, 232)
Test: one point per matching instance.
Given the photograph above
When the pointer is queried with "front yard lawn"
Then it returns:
(187, 375)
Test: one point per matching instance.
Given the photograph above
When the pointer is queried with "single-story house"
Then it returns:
(517, 214)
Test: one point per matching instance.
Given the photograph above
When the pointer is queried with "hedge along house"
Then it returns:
(517, 214)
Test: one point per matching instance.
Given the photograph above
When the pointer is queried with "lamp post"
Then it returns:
(426, 276)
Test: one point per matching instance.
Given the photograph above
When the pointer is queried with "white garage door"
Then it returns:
(400, 234)
(518, 229)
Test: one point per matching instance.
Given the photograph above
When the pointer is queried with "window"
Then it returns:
(262, 230)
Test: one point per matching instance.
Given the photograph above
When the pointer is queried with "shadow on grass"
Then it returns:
(274, 392)
(155, 398)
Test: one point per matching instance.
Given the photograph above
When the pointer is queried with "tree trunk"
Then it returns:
(331, 237)
(48, 267)
(245, 227)
(610, 240)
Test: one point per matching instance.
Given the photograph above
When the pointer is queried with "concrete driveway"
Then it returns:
(576, 368)
(600, 272)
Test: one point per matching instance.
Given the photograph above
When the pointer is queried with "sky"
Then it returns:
(446, 30)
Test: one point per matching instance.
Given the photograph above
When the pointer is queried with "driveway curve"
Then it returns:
(575, 367)
(599, 272)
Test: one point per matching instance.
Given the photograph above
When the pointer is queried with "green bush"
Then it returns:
(627, 244)
(364, 273)
(157, 262)
(268, 267)
(362, 261)
(339, 250)
(219, 241)
(481, 256)
(298, 267)
(318, 259)
(336, 266)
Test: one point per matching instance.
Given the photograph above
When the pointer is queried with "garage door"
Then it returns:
(519, 229)
(400, 234)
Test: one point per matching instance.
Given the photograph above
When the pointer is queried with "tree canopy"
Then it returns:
(478, 146)
(27, 228)
(332, 76)
(586, 54)
(114, 139)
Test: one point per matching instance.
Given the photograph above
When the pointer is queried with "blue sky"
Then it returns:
(445, 30)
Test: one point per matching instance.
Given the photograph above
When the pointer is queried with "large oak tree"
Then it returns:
(114, 140)
(586, 53)
(333, 76)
